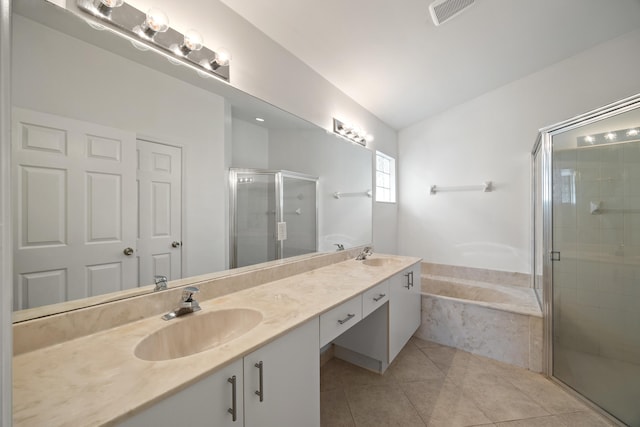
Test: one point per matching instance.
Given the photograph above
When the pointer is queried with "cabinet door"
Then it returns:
(289, 393)
(404, 308)
(205, 403)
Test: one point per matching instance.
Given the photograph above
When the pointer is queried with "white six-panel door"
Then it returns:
(159, 207)
(75, 213)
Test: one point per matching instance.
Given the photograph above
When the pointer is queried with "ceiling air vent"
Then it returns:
(443, 10)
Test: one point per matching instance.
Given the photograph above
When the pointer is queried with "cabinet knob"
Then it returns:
(176, 244)
(128, 251)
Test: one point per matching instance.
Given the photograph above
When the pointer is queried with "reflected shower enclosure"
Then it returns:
(274, 215)
(586, 178)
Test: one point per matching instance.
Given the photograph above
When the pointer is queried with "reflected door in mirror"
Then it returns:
(160, 210)
(74, 204)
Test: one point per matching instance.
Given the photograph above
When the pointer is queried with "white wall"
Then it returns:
(490, 138)
(250, 147)
(58, 74)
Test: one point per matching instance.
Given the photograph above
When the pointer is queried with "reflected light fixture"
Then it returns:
(352, 133)
(609, 137)
(152, 31)
(259, 119)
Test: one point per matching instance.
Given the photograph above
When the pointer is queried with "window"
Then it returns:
(385, 178)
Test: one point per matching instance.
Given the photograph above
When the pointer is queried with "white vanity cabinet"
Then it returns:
(404, 308)
(290, 388)
(209, 402)
(288, 394)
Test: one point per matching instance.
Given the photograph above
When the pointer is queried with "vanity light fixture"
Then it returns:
(609, 137)
(352, 133)
(152, 31)
(155, 21)
(221, 58)
(104, 7)
(192, 42)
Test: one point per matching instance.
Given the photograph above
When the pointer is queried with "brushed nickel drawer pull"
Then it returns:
(260, 392)
(346, 319)
(379, 297)
(234, 408)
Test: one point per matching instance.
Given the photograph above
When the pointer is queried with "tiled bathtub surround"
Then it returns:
(496, 321)
(73, 322)
(495, 277)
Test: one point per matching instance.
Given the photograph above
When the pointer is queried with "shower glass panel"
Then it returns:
(255, 218)
(595, 301)
(273, 215)
(300, 214)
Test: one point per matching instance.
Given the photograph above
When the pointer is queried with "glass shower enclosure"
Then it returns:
(273, 215)
(586, 220)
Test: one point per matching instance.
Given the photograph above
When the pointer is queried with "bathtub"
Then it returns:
(496, 321)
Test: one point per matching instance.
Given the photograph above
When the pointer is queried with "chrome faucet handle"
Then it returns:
(187, 293)
(161, 283)
(340, 246)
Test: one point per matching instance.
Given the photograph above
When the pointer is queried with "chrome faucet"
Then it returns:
(187, 304)
(367, 251)
(340, 246)
(161, 283)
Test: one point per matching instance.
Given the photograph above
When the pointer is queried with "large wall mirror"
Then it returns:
(121, 163)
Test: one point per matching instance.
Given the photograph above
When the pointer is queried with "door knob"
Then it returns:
(128, 251)
(176, 244)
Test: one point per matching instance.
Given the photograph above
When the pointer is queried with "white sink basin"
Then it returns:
(197, 332)
(379, 262)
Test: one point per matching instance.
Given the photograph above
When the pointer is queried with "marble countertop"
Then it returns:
(97, 379)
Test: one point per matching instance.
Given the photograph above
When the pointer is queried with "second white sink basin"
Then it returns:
(379, 262)
(195, 333)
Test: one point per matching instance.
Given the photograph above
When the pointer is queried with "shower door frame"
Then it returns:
(279, 176)
(544, 147)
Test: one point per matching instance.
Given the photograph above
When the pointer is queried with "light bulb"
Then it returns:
(221, 59)
(104, 7)
(192, 40)
(632, 132)
(589, 139)
(156, 22)
(610, 136)
(112, 3)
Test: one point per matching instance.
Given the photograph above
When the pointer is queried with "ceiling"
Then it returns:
(390, 57)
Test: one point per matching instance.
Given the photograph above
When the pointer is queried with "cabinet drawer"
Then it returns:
(375, 297)
(339, 319)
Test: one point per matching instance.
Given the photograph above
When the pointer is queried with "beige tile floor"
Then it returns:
(433, 385)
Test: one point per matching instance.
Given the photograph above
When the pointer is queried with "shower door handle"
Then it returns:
(555, 256)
